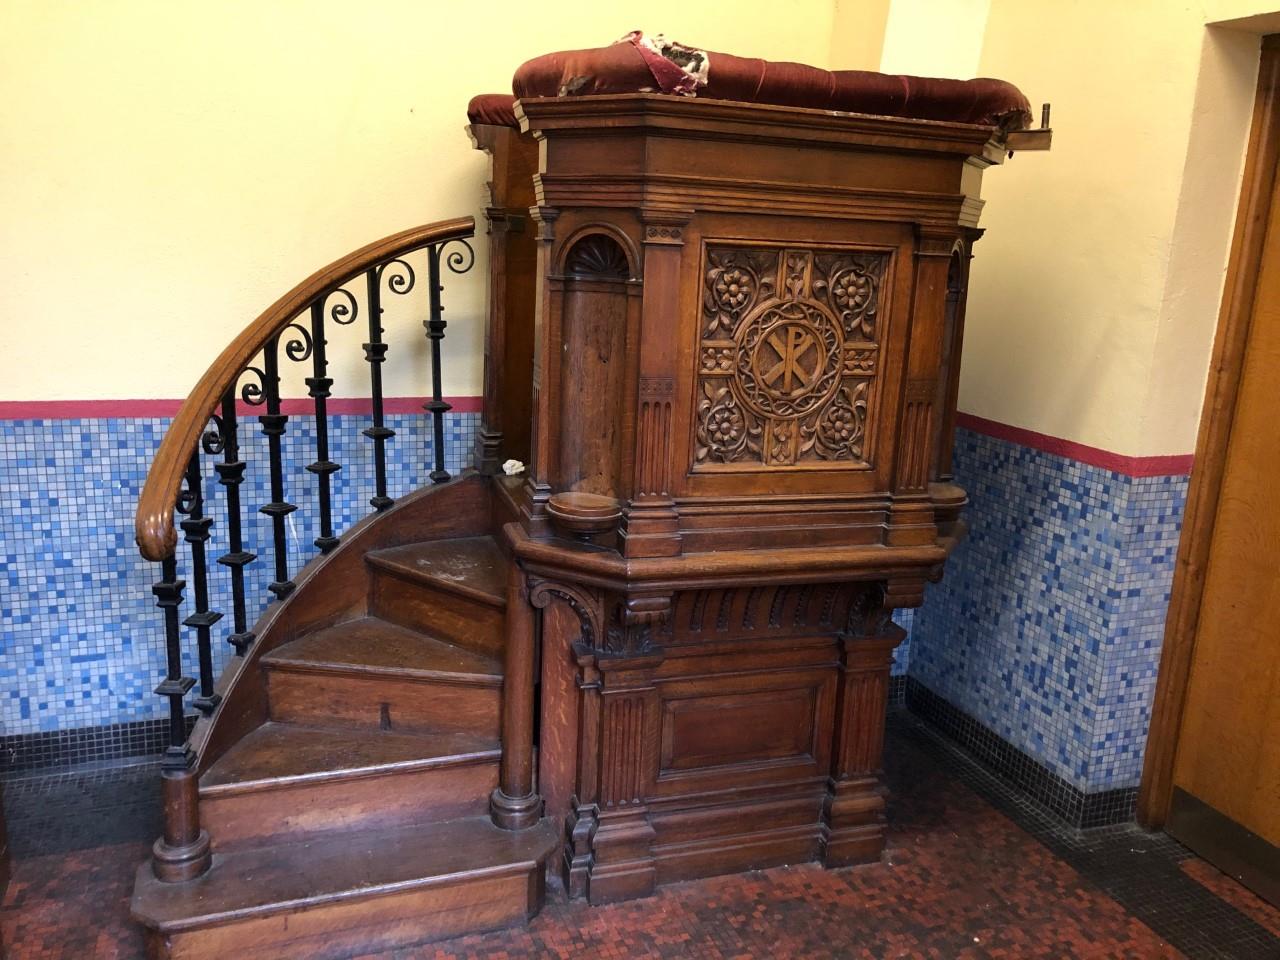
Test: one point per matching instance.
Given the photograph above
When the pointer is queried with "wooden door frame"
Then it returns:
(1227, 364)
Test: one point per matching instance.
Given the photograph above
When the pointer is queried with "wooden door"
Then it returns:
(1224, 801)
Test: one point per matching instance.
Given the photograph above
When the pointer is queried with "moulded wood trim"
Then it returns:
(1212, 441)
(734, 120)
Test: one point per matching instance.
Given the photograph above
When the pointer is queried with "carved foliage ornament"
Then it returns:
(787, 357)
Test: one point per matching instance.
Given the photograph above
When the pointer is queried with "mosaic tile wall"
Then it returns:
(81, 642)
(902, 653)
(1046, 629)
(1047, 626)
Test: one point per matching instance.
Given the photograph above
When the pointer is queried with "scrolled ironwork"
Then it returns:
(208, 426)
(343, 313)
(458, 261)
(186, 501)
(254, 394)
(214, 440)
(298, 347)
(400, 276)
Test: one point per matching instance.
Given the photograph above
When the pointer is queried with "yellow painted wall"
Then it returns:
(857, 34)
(934, 38)
(1095, 292)
(169, 168)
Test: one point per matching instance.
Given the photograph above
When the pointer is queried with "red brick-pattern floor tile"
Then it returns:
(961, 880)
(74, 905)
(1243, 899)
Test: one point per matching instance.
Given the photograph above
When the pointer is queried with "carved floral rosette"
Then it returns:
(787, 357)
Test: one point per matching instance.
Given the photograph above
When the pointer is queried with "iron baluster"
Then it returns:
(168, 594)
(196, 527)
(273, 426)
(435, 333)
(318, 385)
(375, 352)
(231, 475)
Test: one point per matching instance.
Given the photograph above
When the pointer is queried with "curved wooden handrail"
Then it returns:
(154, 530)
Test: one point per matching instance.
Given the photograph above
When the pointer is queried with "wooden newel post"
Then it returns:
(182, 853)
(515, 805)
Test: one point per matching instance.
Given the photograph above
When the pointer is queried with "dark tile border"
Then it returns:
(22, 752)
(1073, 805)
(897, 691)
(64, 748)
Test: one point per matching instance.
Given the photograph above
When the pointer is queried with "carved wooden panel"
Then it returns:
(787, 357)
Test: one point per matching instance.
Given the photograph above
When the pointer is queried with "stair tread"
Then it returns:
(473, 566)
(279, 753)
(270, 879)
(373, 645)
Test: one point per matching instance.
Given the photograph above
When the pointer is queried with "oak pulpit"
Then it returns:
(724, 338)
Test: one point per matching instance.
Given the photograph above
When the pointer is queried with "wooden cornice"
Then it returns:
(755, 122)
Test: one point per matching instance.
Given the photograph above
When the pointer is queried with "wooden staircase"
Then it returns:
(356, 815)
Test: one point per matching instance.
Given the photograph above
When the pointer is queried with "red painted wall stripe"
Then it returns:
(1162, 466)
(111, 409)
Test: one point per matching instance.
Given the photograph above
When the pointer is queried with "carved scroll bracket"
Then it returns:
(585, 602)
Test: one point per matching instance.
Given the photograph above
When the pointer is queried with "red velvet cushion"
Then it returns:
(495, 108)
(620, 68)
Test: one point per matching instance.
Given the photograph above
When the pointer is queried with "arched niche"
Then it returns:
(949, 370)
(597, 288)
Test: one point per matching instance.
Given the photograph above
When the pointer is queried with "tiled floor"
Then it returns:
(971, 871)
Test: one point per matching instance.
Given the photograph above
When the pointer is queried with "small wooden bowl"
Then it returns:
(583, 515)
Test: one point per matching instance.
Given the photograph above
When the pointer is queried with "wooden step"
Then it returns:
(451, 589)
(381, 676)
(289, 780)
(363, 892)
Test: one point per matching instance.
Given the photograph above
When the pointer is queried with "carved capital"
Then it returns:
(502, 220)
(663, 233)
(545, 218)
(936, 241)
(869, 613)
(634, 624)
(909, 592)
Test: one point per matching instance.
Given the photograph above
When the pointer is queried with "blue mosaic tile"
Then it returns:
(1047, 626)
(1046, 629)
(81, 643)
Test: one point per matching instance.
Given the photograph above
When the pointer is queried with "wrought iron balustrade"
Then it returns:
(208, 431)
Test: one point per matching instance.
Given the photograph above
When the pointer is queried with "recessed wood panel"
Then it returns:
(716, 731)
